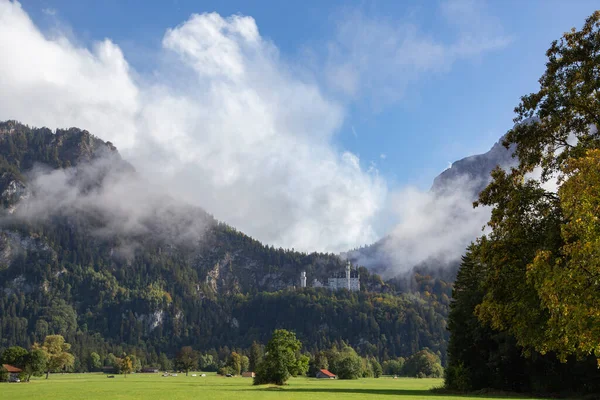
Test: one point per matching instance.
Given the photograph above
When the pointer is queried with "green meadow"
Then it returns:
(155, 386)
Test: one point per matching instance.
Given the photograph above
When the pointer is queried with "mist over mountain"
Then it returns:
(436, 226)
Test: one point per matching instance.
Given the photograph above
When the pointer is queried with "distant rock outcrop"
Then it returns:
(451, 222)
(476, 168)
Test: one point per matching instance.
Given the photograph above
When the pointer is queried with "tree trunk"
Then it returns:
(47, 373)
(186, 372)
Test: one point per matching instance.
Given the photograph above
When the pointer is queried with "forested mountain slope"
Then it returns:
(90, 251)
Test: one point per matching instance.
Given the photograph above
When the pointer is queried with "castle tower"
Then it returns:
(348, 270)
(303, 279)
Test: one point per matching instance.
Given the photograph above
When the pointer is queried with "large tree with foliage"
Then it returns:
(345, 363)
(14, 355)
(282, 359)
(423, 364)
(187, 359)
(35, 363)
(57, 353)
(543, 243)
(126, 364)
(531, 286)
(94, 362)
(235, 363)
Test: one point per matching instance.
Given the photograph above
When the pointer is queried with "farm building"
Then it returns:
(12, 371)
(324, 374)
(109, 370)
(149, 370)
(248, 374)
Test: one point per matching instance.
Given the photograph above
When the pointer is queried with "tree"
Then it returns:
(136, 363)
(553, 125)
(282, 359)
(377, 369)
(345, 363)
(256, 354)
(207, 363)
(566, 279)
(424, 364)
(114, 362)
(35, 363)
(543, 243)
(245, 364)
(57, 352)
(187, 359)
(14, 355)
(318, 362)
(393, 367)
(235, 363)
(165, 363)
(126, 365)
(3, 374)
(349, 365)
(94, 361)
(301, 367)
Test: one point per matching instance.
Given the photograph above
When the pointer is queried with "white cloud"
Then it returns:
(49, 11)
(378, 58)
(230, 126)
(129, 208)
(53, 83)
(383, 156)
(232, 130)
(434, 229)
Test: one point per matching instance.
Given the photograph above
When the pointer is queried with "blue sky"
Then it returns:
(442, 117)
(317, 125)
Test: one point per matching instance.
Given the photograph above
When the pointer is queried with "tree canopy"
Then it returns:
(57, 353)
(282, 359)
(187, 359)
(530, 287)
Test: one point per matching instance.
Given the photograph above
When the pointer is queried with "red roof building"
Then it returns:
(11, 369)
(324, 374)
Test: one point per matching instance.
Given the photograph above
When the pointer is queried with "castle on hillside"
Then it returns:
(350, 280)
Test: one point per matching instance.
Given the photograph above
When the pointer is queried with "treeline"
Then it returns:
(282, 358)
(525, 315)
(54, 355)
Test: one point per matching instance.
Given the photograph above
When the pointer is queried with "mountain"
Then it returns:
(91, 251)
(476, 168)
(440, 223)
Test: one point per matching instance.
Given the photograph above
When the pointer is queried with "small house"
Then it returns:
(13, 372)
(109, 370)
(149, 370)
(324, 374)
(248, 374)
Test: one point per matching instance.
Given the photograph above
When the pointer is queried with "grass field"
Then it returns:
(154, 386)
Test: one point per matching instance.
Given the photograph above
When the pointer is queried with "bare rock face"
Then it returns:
(476, 168)
(13, 193)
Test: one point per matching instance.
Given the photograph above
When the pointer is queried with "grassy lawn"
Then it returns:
(154, 386)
